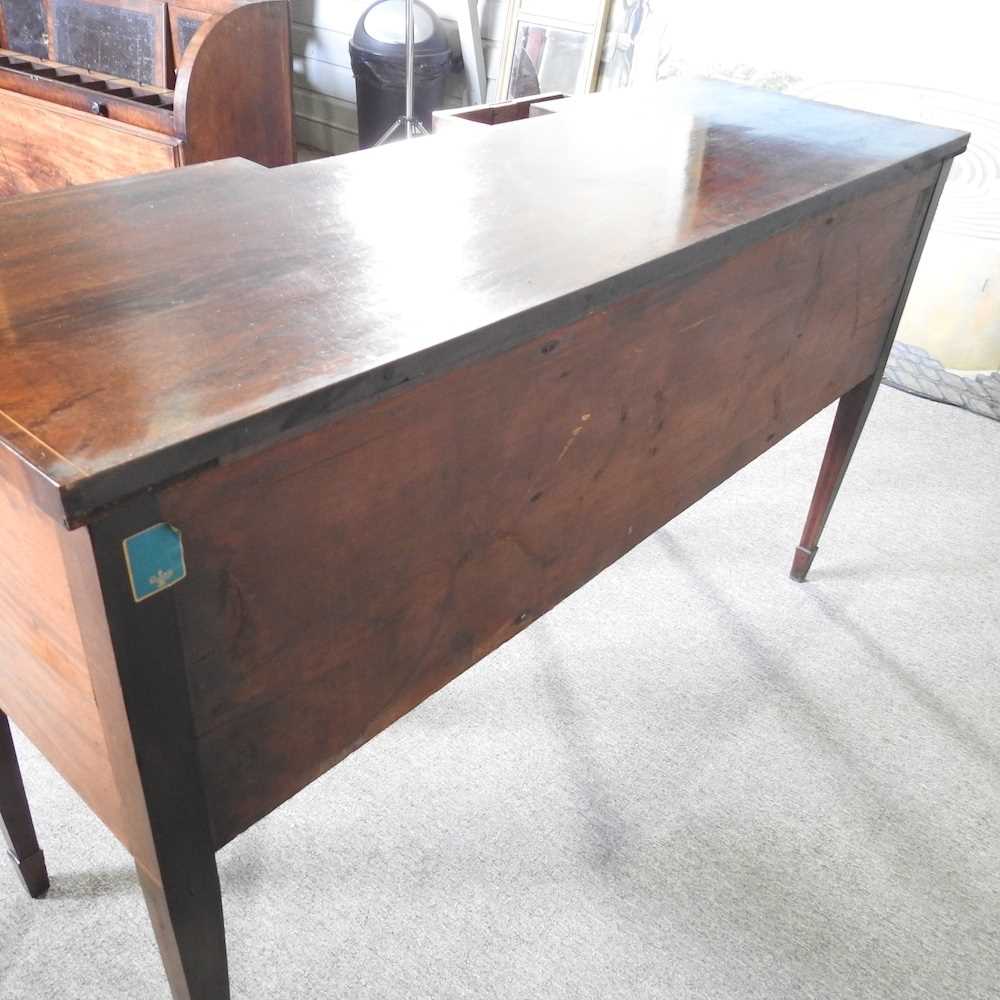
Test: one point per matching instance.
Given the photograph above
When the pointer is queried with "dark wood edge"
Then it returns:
(904, 291)
(918, 249)
(35, 485)
(84, 496)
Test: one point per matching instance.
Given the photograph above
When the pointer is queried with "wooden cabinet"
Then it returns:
(259, 498)
(205, 84)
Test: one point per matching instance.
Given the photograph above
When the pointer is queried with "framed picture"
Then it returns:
(122, 38)
(184, 25)
(637, 44)
(552, 45)
(23, 27)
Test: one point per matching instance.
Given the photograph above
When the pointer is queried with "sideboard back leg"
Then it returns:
(855, 406)
(847, 426)
(15, 819)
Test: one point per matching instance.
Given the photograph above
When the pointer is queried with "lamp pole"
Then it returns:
(409, 67)
(409, 125)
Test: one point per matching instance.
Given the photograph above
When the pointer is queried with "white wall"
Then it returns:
(949, 47)
(326, 116)
(893, 57)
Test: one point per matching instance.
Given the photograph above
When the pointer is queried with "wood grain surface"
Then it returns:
(275, 300)
(45, 684)
(340, 578)
(216, 60)
(70, 87)
(45, 146)
(230, 90)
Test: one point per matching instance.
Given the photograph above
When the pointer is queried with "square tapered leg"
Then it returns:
(15, 819)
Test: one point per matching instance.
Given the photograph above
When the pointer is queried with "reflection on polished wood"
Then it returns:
(388, 449)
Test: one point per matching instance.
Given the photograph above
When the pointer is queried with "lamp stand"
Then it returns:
(408, 125)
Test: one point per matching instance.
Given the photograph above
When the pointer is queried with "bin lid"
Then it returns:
(382, 28)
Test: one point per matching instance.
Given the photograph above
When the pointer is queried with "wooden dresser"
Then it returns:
(91, 90)
(260, 497)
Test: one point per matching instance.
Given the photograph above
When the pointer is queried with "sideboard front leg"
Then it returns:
(847, 426)
(15, 819)
(856, 404)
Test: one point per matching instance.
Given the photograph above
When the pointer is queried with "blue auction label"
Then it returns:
(155, 560)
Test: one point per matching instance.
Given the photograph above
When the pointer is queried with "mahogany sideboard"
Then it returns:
(92, 90)
(273, 474)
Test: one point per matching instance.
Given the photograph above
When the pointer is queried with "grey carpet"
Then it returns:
(694, 779)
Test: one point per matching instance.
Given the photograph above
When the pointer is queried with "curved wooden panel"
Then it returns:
(239, 51)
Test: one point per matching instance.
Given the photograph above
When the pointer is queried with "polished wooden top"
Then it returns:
(152, 325)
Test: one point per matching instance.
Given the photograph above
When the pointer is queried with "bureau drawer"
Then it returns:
(45, 146)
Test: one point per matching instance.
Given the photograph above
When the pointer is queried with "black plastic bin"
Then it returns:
(378, 58)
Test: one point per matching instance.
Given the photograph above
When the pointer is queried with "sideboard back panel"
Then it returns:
(338, 579)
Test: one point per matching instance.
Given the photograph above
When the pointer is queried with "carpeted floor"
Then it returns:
(694, 779)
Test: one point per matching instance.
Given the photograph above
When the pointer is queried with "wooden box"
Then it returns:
(460, 119)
